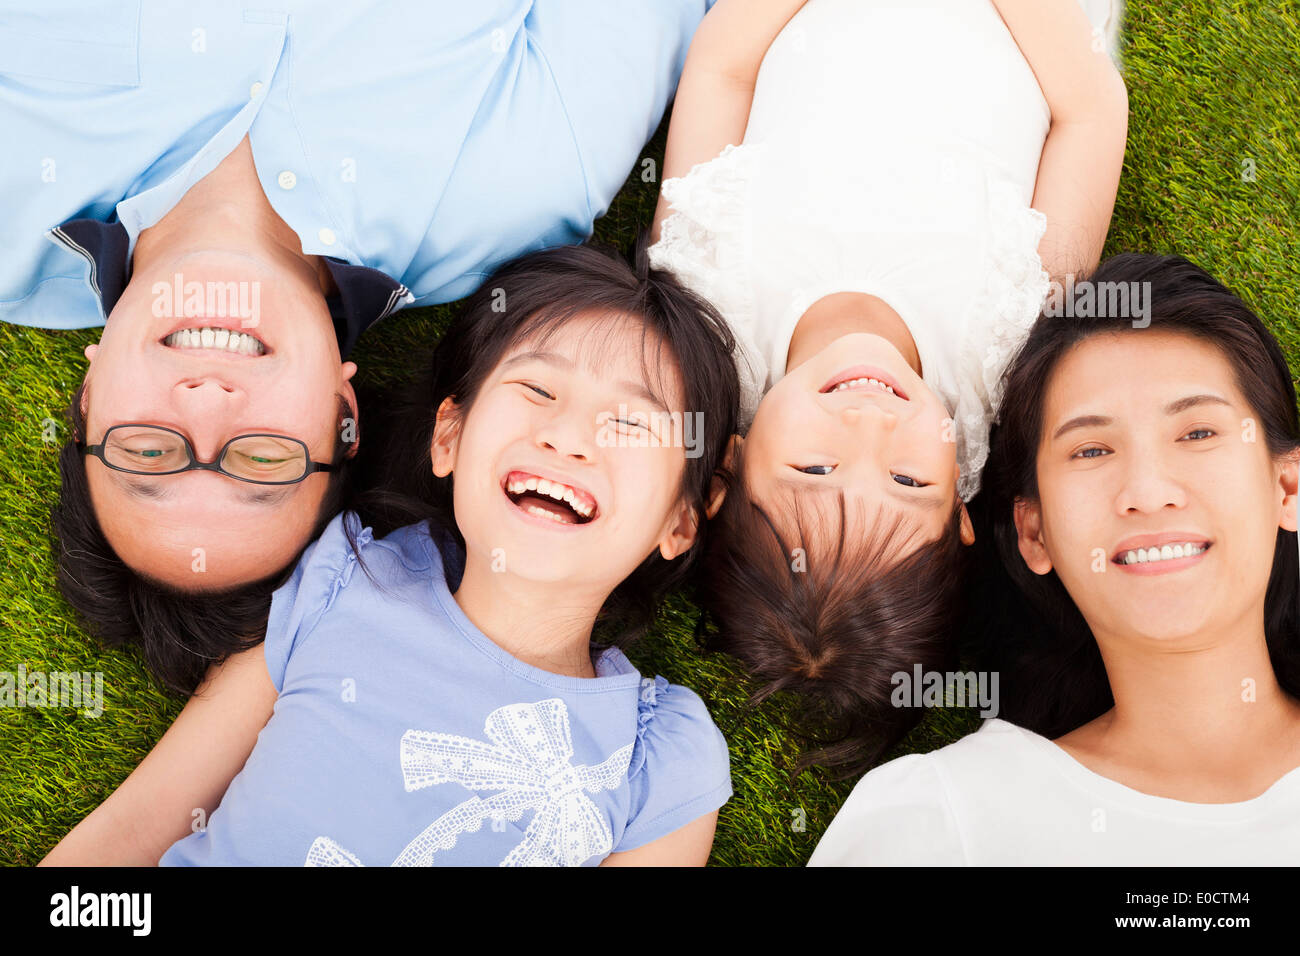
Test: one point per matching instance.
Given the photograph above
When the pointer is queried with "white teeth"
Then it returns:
(223, 340)
(1165, 553)
(543, 513)
(863, 383)
(554, 490)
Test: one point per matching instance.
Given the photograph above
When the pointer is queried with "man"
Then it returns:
(236, 194)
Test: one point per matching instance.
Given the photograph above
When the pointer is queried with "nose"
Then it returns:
(1148, 487)
(564, 435)
(206, 404)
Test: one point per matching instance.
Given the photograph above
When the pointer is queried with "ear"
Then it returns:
(91, 351)
(967, 529)
(718, 487)
(349, 369)
(350, 397)
(1289, 479)
(1029, 532)
(680, 536)
(446, 434)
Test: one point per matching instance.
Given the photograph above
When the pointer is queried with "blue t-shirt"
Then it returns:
(404, 736)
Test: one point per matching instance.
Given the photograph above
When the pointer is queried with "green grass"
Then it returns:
(1212, 92)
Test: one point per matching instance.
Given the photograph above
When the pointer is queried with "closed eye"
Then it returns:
(537, 389)
(910, 482)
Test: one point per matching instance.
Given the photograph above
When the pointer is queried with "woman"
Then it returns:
(1144, 486)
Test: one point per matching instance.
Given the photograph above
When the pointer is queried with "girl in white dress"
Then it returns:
(876, 212)
(1143, 491)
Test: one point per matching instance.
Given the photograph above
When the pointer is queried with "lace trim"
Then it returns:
(1013, 295)
(704, 242)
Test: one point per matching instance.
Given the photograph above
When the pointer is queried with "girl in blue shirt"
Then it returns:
(434, 696)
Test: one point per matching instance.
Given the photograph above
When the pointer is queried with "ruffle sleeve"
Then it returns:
(297, 605)
(1000, 320)
(679, 769)
(705, 242)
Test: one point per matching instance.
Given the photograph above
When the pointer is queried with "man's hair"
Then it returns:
(530, 298)
(181, 633)
(831, 620)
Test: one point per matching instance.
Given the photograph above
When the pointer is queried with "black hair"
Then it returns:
(531, 297)
(835, 624)
(1027, 626)
(180, 632)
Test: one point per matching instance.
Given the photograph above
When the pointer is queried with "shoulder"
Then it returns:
(328, 568)
(673, 723)
(680, 767)
(903, 813)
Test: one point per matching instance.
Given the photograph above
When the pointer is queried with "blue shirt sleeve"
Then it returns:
(298, 604)
(680, 768)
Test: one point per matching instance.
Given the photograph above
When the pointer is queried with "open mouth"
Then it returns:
(212, 339)
(863, 378)
(550, 500)
(1161, 554)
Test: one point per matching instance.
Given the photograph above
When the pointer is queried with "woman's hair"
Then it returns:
(181, 633)
(1053, 676)
(529, 299)
(831, 620)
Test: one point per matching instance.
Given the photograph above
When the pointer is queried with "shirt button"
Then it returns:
(326, 236)
(254, 90)
(287, 179)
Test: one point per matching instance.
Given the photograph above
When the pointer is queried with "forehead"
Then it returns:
(605, 346)
(1119, 365)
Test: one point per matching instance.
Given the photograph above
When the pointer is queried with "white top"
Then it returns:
(1005, 796)
(892, 149)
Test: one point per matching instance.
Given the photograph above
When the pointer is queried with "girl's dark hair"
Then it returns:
(529, 298)
(181, 633)
(1053, 679)
(832, 624)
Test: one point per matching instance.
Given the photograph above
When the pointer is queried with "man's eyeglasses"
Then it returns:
(155, 450)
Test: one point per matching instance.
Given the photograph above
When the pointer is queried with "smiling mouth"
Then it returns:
(550, 500)
(1173, 551)
(864, 379)
(211, 339)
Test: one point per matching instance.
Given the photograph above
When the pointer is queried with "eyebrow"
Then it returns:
(1173, 408)
(152, 491)
(925, 502)
(638, 389)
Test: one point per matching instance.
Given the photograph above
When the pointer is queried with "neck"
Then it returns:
(844, 313)
(227, 212)
(525, 620)
(1210, 705)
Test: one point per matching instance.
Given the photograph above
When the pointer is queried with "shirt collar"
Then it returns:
(364, 295)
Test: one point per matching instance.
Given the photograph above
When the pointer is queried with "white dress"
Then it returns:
(1005, 796)
(892, 149)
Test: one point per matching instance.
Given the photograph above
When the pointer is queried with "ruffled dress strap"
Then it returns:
(705, 242)
(1000, 320)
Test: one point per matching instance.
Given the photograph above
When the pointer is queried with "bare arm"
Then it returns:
(716, 90)
(1078, 174)
(188, 769)
(685, 846)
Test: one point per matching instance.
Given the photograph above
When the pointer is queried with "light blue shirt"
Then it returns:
(431, 140)
(402, 735)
